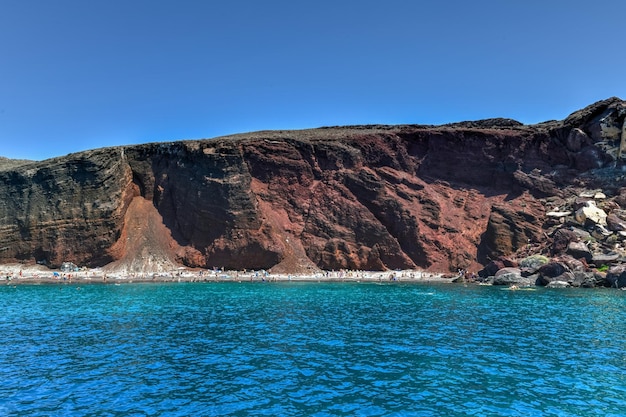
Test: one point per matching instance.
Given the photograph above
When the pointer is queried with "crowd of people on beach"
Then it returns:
(214, 274)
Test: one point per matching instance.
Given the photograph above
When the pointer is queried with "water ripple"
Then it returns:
(310, 349)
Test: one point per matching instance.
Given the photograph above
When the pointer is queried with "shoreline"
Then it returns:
(87, 281)
(21, 277)
(377, 277)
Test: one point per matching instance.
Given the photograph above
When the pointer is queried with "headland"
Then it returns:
(492, 201)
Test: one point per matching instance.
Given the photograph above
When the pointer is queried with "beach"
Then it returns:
(20, 274)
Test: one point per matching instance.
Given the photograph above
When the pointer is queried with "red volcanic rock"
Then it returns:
(576, 140)
(615, 223)
(441, 198)
(512, 226)
(561, 240)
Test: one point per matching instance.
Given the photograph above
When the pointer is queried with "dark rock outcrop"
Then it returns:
(440, 198)
(616, 277)
(579, 250)
(511, 276)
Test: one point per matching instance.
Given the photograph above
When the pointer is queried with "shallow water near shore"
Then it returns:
(309, 349)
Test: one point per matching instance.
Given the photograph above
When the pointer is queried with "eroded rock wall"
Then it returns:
(364, 197)
(64, 208)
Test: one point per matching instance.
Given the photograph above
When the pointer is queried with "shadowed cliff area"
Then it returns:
(439, 198)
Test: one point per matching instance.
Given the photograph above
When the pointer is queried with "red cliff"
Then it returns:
(440, 198)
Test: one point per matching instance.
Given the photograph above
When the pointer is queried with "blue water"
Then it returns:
(319, 349)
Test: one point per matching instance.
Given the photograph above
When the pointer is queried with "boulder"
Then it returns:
(614, 223)
(582, 200)
(599, 280)
(558, 214)
(581, 233)
(604, 258)
(576, 140)
(552, 269)
(511, 276)
(600, 232)
(540, 184)
(533, 263)
(610, 206)
(587, 194)
(546, 280)
(490, 269)
(584, 279)
(571, 263)
(579, 250)
(495, 265)
(561, 239)
(590, 213)
(621, 198)
(616, 277)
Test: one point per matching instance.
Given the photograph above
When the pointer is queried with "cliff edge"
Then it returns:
(438, 198)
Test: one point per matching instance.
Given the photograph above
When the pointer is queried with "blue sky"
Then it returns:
(77, 75)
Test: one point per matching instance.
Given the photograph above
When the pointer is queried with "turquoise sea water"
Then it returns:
(311, 349)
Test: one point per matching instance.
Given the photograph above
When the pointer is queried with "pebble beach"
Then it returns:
(20, 274)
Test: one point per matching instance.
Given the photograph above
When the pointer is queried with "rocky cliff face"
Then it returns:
(440, 198)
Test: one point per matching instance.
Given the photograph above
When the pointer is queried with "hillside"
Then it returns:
(439, 198)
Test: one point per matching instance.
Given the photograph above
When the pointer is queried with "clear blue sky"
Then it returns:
(83, 74)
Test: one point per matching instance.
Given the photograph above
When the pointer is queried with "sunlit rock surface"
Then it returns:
(439, 198)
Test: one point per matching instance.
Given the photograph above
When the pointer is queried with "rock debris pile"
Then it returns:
(585, 246)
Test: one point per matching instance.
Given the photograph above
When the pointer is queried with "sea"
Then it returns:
(310, 349)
